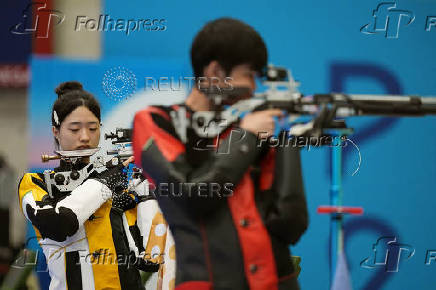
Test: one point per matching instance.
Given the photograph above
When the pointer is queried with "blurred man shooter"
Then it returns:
(225, 240)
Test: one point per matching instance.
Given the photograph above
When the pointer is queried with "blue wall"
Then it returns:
(320, 41)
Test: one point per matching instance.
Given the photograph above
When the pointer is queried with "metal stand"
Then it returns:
(335, 209)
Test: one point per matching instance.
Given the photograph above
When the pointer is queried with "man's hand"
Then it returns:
(261, 122)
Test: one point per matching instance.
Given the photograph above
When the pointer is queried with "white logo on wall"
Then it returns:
(119, 83)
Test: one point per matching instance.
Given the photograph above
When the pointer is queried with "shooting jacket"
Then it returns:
(233, 207)
(87, 243)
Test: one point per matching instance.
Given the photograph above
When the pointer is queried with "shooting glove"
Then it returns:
(115, 179)
(123, 201)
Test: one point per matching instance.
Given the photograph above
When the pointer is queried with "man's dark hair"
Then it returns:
(230, 42)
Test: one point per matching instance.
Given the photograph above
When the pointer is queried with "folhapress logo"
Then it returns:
(40, 26)
(388, 19)
(388, 253)
(106, 23)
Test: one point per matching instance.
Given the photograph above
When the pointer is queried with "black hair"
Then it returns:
(71, 95)
(230, 42)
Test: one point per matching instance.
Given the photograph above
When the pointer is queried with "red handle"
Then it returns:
(329, 209)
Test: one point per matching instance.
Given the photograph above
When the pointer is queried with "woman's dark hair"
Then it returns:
(71, 96)
(230, 42)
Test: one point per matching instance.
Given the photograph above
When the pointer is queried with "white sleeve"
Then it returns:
(145, 213)
(63, 219)
(86, 199)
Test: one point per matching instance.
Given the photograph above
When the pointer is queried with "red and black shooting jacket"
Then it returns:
(224, 241)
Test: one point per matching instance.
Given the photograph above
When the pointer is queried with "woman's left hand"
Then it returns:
(128, 161)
